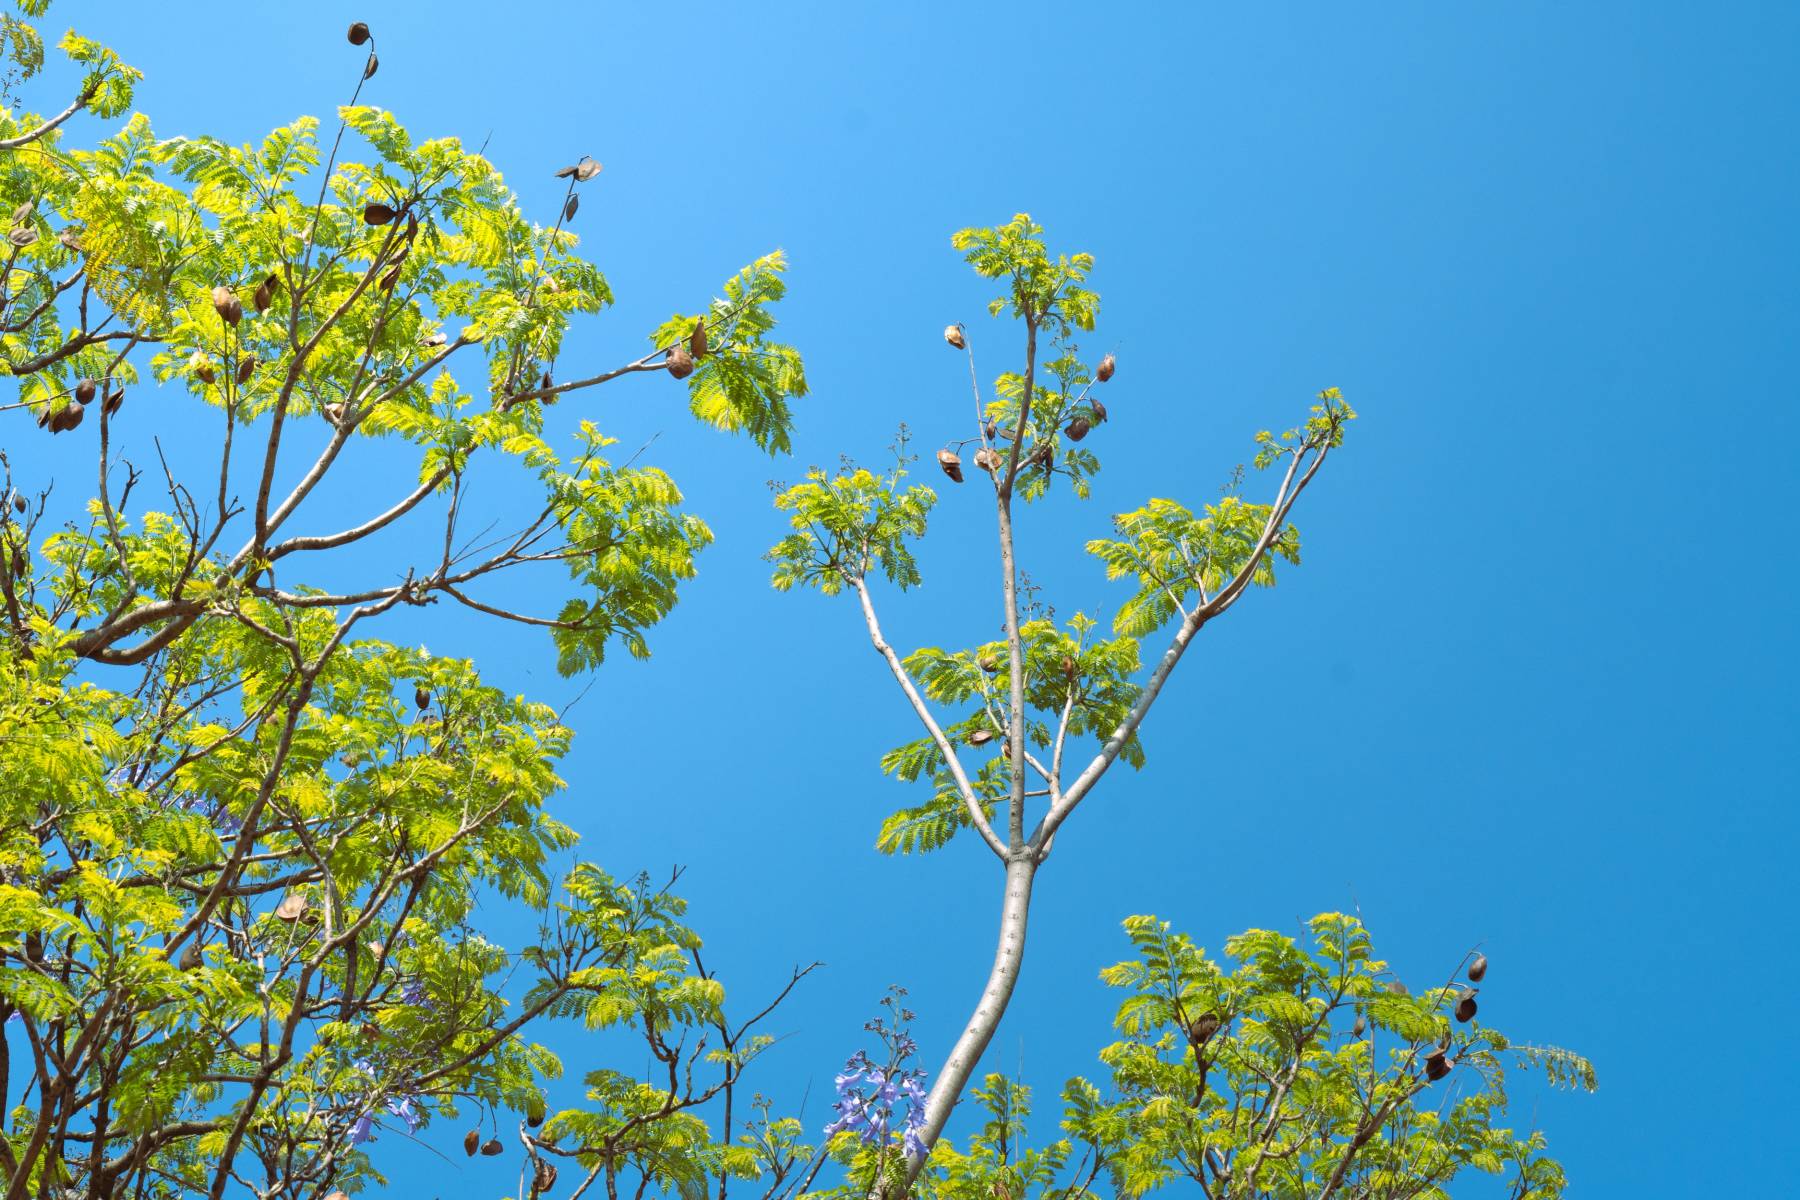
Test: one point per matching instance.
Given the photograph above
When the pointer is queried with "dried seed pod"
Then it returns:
(334, 412)
(1068, 666)
(19, 562)
(586, 170)
(954, 335)
(84, 392)
(565, 172)
(471, 1142)
(264, 293)
(202, 368)
(292, 907)
(987, 460)
(421, 697)
(491, 1148)
(246, 368)
(1106, 368)
(72, 239)
(386, 282)
(66, 418)
(534, 1116)
(359, 33)
(1078, 429)
(227, 305)
(697, 340)
(544, 1178)
(1465, 1008)
(377, 213)
(990, 665)
(952, 465)
(22, 236)
(1204, 1026)
(23, 213)
(1099, 412)
(1478, 968)
(681, 363)
(115, 400)
(1437, 1066)
(18, 502)
(374, 64)
(1041, 456)
(1362, 1024)
(981, 737)
(569, 207)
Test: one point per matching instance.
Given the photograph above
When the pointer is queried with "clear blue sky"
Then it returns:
(1532, 684)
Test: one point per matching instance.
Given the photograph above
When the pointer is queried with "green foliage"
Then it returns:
(1039, 289)
(846, 525)
(1251, 1078)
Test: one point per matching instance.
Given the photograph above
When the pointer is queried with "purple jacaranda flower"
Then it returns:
(414, 993)
(402, 1107)
(363, 1130)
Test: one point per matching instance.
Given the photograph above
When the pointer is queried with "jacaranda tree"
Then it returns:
(243, 835)
(1319, 1077)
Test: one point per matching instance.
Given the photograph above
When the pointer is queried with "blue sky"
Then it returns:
(1531, 685)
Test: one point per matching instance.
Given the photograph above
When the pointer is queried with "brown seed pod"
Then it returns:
(987, 460)
(544, 1178)
(1437, 1066)
(1465, 1008)
(84, 392)
(22, 236)
(1078, 429)
(334, 412)
(374, 64)
(377, 213)
(681, 363)
(262, 295)
(981, 737)
(23, 213)
(227, 305)
(954, 335)
(990, 665)
(952, 465)
(65, 418)
(1204, 1026)
(291, 908)
(1395, 987)
(491, 1148)
(565, 172)
(1106, 368)
(1099, 412)
(1041, 456)
(1362, 1024)
(471, 1142)
(202, 368)
(71, 238)
(19, 562)
(569, 207)
(359, 33)
(18, 502)
(586, 170)
(386, 282)
(1478, 968)
(115, 400)
(421, 697)
(697, 340)
(534, 1116)
(1068, 666)
(246, 368)
(990, 429)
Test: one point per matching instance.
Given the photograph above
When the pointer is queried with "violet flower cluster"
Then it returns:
(867, 1095)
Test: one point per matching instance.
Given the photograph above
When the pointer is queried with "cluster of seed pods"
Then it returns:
(989, 459)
